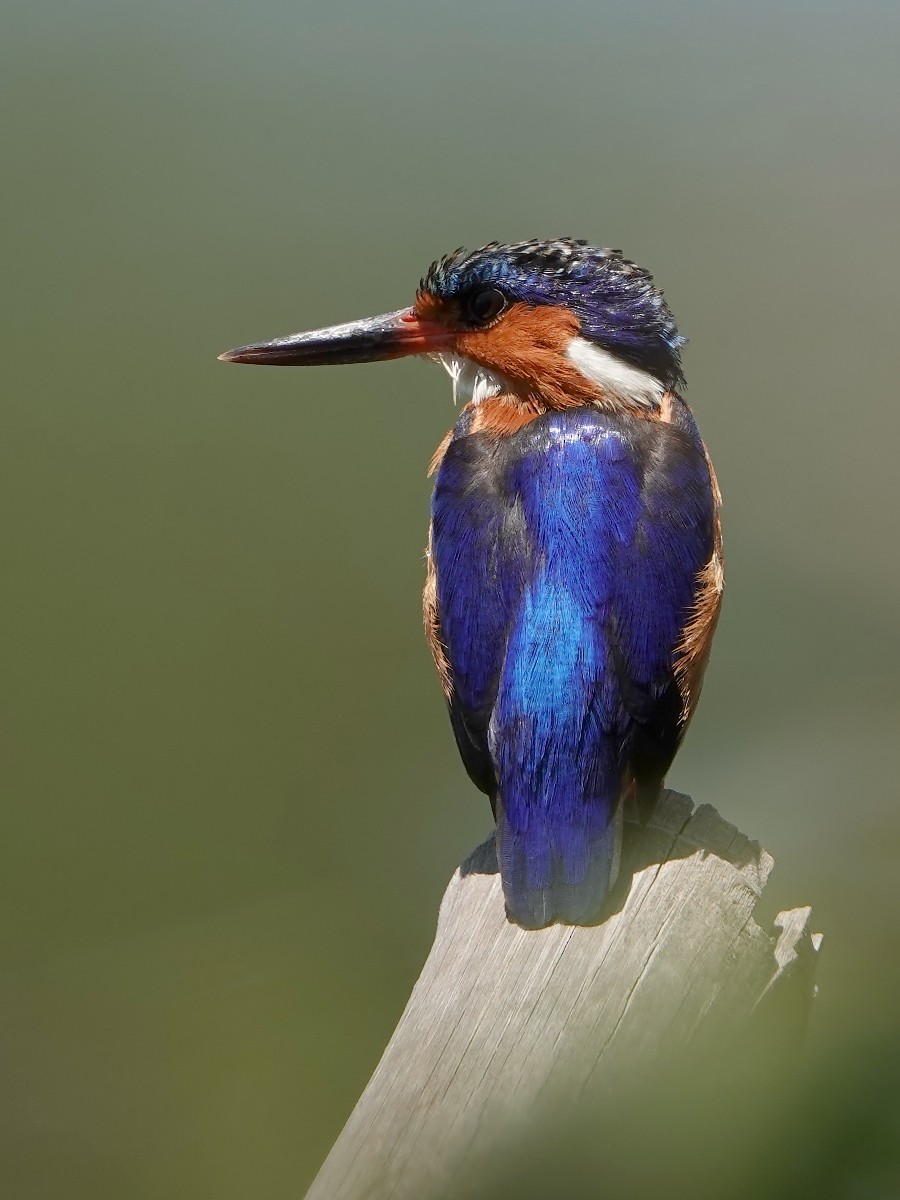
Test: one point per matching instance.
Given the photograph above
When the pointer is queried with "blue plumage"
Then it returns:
(566, 558)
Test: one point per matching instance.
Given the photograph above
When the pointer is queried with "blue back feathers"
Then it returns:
(615, 300)
(566, 561)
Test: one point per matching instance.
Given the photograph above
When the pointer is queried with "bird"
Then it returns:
(574, 570)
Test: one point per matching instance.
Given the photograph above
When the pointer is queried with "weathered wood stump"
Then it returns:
(502, 1020)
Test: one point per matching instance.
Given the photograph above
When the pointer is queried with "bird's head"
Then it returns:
(546, 324)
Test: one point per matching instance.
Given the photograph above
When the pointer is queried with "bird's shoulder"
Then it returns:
(476, 455)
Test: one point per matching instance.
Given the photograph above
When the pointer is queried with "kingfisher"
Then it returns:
(574, 564)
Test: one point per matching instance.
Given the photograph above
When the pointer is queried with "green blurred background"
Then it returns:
(232, 800)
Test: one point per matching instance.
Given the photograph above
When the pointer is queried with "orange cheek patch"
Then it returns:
(528, 347)
(525, 336)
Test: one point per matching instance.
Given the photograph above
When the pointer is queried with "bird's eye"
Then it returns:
(484, 306)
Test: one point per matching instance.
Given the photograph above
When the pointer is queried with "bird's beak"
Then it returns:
(392, 335)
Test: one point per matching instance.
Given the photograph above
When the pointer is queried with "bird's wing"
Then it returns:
(668, 581)
(478, 558)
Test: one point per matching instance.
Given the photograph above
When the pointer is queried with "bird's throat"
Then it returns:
(472, 383)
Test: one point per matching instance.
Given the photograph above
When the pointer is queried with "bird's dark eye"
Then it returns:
(484, 305)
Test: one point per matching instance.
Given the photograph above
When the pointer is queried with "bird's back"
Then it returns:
(566, 559)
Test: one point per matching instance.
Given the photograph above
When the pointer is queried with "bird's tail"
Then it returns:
(555, 867)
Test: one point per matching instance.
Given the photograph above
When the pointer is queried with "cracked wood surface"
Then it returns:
(502, 1019)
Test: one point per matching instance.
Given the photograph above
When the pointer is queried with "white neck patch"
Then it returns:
(613, 376)
(471, 383)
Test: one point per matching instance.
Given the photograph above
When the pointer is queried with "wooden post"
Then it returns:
(501, 1017)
